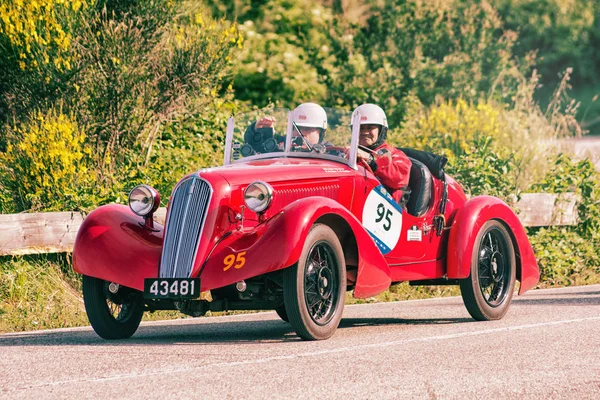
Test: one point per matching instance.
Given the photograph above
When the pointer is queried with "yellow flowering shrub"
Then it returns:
(45, 163)
(451, 127)
(39, 30)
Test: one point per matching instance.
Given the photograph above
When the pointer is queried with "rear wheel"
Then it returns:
(112, 315)
(314, 289)
(488, 291)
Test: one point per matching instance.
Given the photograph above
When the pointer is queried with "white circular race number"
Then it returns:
(382, 217)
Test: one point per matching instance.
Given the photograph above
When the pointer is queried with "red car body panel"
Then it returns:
(465, 228)
(273, 245)
(111, 245)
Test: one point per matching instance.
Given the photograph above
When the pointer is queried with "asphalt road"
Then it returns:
(547, 347)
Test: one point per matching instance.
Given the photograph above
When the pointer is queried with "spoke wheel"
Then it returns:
(112, 315)
(488, 291)
(315, 288)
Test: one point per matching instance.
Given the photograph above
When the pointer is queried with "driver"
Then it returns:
(390, 165)
(309, 118)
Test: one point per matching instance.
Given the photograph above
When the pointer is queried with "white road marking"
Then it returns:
(135, 375)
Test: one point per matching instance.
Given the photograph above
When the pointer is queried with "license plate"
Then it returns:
(172, 288)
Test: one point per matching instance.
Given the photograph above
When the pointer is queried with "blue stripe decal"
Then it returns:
(384, 193)
(382, 247)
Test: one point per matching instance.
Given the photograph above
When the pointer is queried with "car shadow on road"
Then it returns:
(354, 322)
(205, 333)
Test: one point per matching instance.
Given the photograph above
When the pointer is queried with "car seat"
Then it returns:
(420, 185)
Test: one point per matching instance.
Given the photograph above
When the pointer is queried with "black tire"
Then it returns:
(319, 278)
(282, 313)
(488, 291)
(113, 316)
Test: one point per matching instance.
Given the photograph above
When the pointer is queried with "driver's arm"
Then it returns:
(392, 167)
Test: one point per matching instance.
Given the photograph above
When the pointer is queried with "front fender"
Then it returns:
(278, 242)
(111, 245)
(465, 227)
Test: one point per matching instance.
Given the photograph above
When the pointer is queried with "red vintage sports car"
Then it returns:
(291, 227)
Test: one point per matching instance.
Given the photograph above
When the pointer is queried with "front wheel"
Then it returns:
(314, 289)
(488, 291)
(112, 315)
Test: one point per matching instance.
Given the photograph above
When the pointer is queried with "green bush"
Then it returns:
(275, 63)
(581, 178)
(565, 257)
(563, 34)
(134, 80)
(134, 76)
(36, 54)
(45, 166)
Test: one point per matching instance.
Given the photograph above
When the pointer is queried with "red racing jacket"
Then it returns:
(392, 167)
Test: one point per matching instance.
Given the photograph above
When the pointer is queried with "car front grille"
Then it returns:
(185, 222)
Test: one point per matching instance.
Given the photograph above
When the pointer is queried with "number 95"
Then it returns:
(382, 213)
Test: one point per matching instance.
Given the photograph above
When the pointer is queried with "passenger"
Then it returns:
(309, 118)
(390, 165)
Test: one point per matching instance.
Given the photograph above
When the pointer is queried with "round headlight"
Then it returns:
(258, 196)
(143, 200)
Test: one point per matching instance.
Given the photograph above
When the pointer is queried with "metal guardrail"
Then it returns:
(55, 232)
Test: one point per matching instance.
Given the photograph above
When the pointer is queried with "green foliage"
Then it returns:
(447, 49)
(565, 257)
(483, 170)
(569, 255)
(187, 145)
(133, 76)
(44, 166)
(275, 63)
(579, 177)
(134, 80)
(372, 51)
(564, 34)
(98, 96)
(36, 53)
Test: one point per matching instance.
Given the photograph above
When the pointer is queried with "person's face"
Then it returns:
(311, 134)
(368, 134)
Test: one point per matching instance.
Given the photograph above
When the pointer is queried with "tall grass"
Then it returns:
(40, 293)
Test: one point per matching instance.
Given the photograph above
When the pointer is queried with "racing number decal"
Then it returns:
(382, 218)
(381, 212)
(234, 261)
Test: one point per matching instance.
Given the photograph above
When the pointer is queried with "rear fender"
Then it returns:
(465, 227)
(111, 245)
(278, 242)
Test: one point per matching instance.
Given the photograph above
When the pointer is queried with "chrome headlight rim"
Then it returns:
(263, 204)
(151, 194)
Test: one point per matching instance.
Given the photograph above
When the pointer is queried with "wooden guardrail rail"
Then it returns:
(55, 232)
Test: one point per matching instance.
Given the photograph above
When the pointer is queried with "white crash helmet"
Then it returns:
(371, 114)
(310, 115)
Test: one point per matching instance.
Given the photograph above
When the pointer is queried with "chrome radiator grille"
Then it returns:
(185, 222)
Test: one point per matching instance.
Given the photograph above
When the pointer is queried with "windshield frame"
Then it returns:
(287, 152)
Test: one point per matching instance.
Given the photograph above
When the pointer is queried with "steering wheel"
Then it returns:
(342, 152)
(364, 164)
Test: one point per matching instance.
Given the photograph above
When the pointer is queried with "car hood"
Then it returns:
(282, 170)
